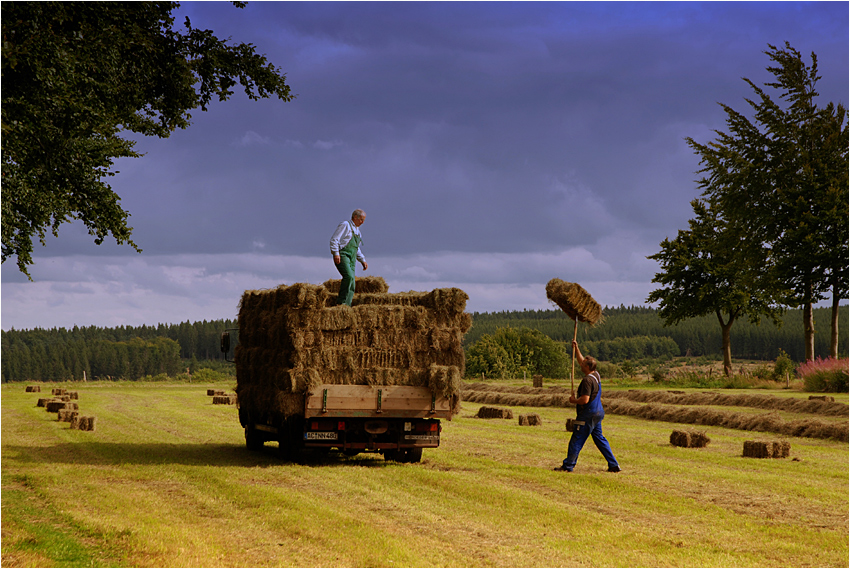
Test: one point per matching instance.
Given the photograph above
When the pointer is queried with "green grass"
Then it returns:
(165, 480)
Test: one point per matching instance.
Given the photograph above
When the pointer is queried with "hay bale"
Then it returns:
(689, 439)
(75, 421)
(33, 389)
(211, 392)
(84, 423)
(73, 395)
(43, 401)
(54, 406)
(530, 419)
(780, 449)
(537, 381)
(66, 415)
(362, 285)
(224, 400)
(828, 398)
(574, 300)
(757, 449)
(495, 413)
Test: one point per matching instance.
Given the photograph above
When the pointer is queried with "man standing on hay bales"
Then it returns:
(345, 248)
(589, 415)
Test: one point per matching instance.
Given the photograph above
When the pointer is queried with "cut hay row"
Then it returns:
(530, 420)
(813, 406)
(768, 422)
(767, 449)
(494, 413)
(689, 439)
(292, 338)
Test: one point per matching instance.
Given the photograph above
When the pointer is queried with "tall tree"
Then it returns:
(782, 179)
(711, 268)
(76, 75)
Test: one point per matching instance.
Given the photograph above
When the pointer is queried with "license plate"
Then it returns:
(320, 436)
(430, 438)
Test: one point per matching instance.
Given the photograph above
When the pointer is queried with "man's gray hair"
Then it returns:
(358, 213)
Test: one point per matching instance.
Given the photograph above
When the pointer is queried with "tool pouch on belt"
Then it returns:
(572, 424)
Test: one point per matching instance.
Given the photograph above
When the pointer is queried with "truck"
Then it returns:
(378, 376)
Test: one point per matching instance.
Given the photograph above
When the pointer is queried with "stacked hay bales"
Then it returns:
(530, 420)
(537, 380)
(767, 449)
(495, 413)
(292, 338)
(689, 439)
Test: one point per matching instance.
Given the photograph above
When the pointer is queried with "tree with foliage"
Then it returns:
(782, 180)
(76, 77)
(510, 352)
(712, 268)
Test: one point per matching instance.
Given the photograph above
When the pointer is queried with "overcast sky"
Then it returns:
(493, 146)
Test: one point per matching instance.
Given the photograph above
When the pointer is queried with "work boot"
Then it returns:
(562, 468)
(614, 469)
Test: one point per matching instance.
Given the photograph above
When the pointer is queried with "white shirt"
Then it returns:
(342, 236)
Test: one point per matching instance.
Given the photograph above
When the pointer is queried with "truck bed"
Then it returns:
(385, 401)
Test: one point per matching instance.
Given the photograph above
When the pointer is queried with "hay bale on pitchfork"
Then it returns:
(578, 304)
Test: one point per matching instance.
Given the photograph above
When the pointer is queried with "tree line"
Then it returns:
(626, 333)
(638, 331)
(124, 352)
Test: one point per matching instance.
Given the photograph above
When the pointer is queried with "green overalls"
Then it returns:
(347, 262)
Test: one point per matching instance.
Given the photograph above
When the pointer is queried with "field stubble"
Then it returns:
(166, 481)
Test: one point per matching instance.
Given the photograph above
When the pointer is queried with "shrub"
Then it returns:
(207, 375)
(825, 375)
(629, 369)
(784, 366)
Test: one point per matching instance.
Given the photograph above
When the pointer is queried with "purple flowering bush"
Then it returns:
(825, 374)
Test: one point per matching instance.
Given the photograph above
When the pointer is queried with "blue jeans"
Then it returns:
(592, 428)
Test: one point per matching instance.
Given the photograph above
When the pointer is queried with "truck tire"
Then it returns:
(254, 439)
(413, 455)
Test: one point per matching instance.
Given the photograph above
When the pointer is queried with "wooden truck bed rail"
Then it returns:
(390, 401)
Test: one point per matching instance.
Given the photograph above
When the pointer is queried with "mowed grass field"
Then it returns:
(166, 481)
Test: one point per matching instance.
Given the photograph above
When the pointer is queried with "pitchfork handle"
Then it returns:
(572, 366)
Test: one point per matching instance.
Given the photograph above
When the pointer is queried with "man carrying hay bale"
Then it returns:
(345, 248)
(589, 415)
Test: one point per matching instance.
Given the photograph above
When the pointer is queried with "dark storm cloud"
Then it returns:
(493, 145)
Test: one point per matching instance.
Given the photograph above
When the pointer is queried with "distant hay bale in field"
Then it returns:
(211, 392)
(224, 400)
(575, 301)
(83, 423)
(689, 439)
(43, 401)
(530, 419)
(75, 421)
(58, 391)
(66, 415)
(767, 449)
(362, 285)
(828, 398)
(33, 389)
(537, 380)
(73, 394)
(495, 413)
(54, 406)
(216, 392)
